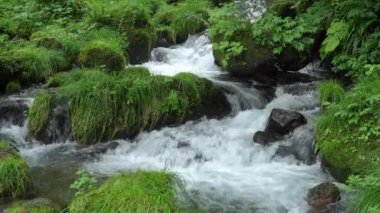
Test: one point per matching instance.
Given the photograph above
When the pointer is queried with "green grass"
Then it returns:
(23, 207)
(31, 64)
(348, 132)
(13, 87)
(127, 101)
(14, 172)
(330, 92)
(367, 197)
(39, 113)
(141, 191)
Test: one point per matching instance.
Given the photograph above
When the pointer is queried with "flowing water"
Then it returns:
(224, 171)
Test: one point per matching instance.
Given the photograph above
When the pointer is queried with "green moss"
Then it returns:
(22, 207)
(100, 54)
(14, 172)
(141, 191)
(39, 113)
(129, 101)
(348, 131)
(13, 87)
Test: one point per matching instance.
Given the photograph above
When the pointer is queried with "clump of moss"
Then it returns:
(100, 54)
(22, 207)
(348, 131)
(39, 113)
(141, 191)
(13, 87)
(14, 172)
(131, 100)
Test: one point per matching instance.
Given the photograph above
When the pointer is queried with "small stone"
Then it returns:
(322, 196)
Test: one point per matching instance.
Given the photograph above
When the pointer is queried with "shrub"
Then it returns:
(141, 191)
(14, 172)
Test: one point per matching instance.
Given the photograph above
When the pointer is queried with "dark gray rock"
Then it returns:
(12, 112)
(282, 122)
(322, 197)
(300, 88)
(263, 138)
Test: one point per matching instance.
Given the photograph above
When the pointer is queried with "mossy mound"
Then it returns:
(101, 54)
(33, 207)
(29, 64)
(39, 114)
(133, 100)
(348, 131)
(141, 191)
(13, 87)
(14, 172)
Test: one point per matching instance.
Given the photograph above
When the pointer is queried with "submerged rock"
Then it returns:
(12, 112)
(323, 196)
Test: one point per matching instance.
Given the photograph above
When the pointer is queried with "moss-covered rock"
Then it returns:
(13, 87)
(134, 100)
(141, 43)
(253, 59)
(100, 54)
(14, 172)
(38, 205)
(39, 114)
(29, 64)
(348, 131)
(141, 191)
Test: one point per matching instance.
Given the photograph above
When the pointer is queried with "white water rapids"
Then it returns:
(224, 171)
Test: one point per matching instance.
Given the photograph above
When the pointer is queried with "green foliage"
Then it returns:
(84, 183)
(14, 172)
(367, 187)
(39, 113)
(336, 34)
(127, 101)
(13, 87)
(141, 191)
(22, 207)
(330, 92)
(348, 131)
(299, 33)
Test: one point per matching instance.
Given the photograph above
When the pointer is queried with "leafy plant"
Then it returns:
(84, 183)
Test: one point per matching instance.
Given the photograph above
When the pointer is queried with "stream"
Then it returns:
(223, 169)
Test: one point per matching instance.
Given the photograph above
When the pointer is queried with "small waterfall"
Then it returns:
(224, 170)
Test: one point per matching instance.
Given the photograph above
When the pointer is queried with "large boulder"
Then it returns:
(12, 112)
(281, 122)
(322, 197)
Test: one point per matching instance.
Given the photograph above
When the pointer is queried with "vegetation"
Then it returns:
(14, 172)
(39, 113)
(22, 207)
(125, 102)
(141, 191)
